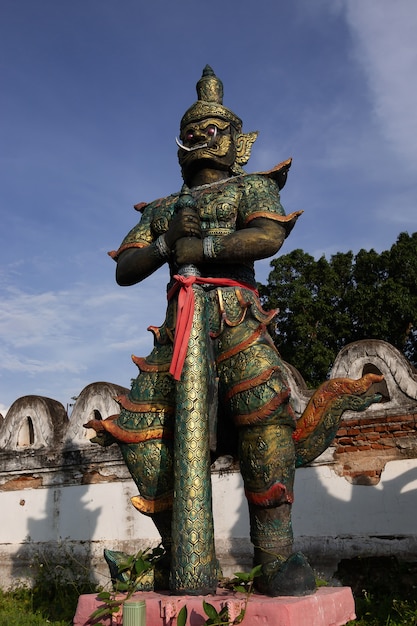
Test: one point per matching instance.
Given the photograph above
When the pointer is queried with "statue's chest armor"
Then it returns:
(218, 208)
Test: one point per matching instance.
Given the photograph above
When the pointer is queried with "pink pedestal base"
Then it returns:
(329, 606)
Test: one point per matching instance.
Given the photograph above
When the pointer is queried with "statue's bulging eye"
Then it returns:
(189, 136)
(211, 131)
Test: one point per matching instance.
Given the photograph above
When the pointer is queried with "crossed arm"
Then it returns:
(262, 238)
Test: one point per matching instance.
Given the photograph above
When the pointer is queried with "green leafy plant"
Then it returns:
(131, 570)
(242, 583)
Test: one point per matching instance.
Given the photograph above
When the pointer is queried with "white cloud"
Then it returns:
(385, 35)
(67, 339)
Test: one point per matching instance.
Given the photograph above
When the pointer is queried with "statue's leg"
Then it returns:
(151, 466)
(256, 394)
(144, 432)
(267, 462)
(266, 455)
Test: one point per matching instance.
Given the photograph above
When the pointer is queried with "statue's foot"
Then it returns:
(120, 576)
(155, 579)
(293, 577)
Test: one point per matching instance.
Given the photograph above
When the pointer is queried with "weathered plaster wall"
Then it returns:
(59, 493)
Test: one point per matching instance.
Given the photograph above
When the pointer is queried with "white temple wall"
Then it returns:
(61, 494)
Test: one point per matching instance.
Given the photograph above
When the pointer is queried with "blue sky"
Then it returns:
(92, 92)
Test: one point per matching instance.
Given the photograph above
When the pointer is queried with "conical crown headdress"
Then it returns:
(210, 102)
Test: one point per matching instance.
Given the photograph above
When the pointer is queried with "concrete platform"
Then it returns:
(329, 606)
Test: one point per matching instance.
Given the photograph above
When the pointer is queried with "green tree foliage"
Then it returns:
(324, 305)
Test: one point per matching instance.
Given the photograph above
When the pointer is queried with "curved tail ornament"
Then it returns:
(320, 420)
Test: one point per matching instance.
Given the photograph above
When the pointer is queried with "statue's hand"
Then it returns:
(186, 223)
(188, 250)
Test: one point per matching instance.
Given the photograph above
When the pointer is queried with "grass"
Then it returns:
(18, 608)
(385, 591)
(384, 588)
(58, 579)
(40, 606)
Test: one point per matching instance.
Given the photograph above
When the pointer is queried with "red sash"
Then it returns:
(184, 284)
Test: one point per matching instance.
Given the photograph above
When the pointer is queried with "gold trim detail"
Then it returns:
(150, 507)
(259, 415)
(143, 407)
(242, 346)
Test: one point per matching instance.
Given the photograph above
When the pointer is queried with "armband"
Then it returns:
(161, 246)
(209, 251)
